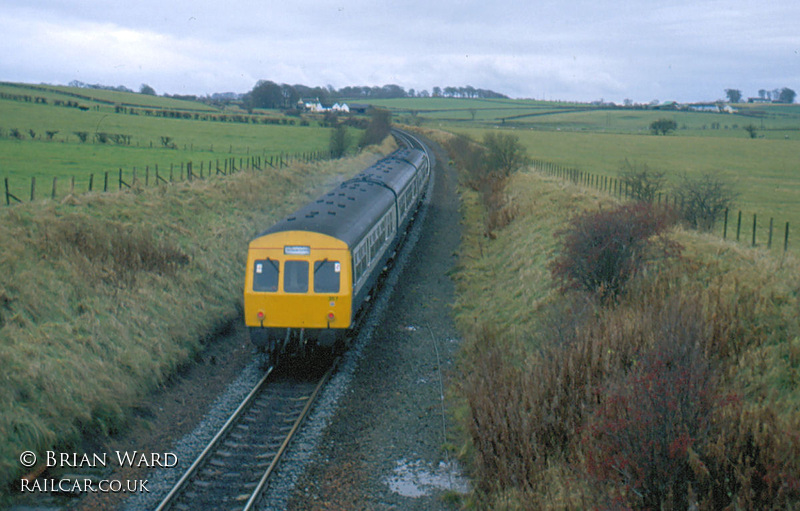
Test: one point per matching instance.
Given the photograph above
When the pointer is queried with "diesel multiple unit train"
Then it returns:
(309, 275)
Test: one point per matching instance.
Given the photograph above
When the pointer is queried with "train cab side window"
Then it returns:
(326, 276)
(295, 277)
(265, 275)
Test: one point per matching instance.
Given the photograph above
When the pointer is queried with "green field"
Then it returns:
(764, 171)
(771, 121)
(42, 139)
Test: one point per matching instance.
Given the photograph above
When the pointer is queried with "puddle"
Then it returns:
(418, 479)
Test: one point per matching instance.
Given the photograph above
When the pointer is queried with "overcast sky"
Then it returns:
(684, 50)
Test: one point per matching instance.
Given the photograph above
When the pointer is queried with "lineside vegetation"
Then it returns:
(682, 392)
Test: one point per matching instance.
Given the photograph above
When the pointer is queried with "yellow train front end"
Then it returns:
(298, 290)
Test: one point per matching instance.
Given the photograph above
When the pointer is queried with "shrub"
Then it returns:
(639, 441)
(704, 200)
(641, 181)
(602, 250)
(487, 168)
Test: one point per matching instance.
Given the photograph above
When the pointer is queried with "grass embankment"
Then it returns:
(103, 296)
(683, 392)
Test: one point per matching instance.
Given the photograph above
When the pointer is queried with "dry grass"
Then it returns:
(103, 296)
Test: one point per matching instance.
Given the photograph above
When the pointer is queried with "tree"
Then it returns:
(504, 154)
(146, 89)
(704, 200)
(751, 129)
(380, 124)
(265, 94)
(786, 95)
(663, 126)
(734, 95)
(339, 141)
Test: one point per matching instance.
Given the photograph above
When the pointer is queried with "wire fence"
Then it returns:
(775, 233)
(121, 179)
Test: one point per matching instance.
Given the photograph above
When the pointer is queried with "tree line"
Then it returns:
(268, 94)
(784, 95)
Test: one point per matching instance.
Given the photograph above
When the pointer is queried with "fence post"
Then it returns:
(786, 238)
(33, 188)
(105, 183)
(725, 226)
(754, 230)
(769, 239)
(91, 181)
(10, 195)
(55, 183)
(739, 225)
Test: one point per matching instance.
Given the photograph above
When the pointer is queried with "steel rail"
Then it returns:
(285, 445)
(178, 487)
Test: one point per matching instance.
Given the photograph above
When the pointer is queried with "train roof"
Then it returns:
(350, 210)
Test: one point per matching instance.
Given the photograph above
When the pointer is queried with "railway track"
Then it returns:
(233, 470)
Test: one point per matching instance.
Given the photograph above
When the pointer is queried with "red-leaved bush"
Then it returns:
(602, 250)
(640, 439)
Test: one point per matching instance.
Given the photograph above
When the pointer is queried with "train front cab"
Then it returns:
(298, 287)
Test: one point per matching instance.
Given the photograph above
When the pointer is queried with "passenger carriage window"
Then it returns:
(295, 277)
(326, 276)
(265, 275)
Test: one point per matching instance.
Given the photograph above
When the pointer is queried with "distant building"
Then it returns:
(314, 105)
(359, 108)
(667, 105)
(704, 107)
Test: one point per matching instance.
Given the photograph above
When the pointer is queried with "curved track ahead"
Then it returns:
(233, 470)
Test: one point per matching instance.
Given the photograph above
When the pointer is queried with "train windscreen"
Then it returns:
(326, 276)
